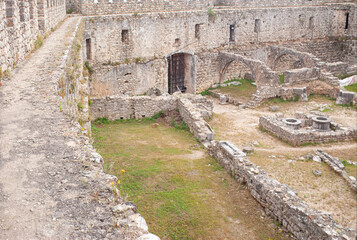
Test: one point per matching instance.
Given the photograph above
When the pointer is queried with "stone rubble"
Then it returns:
(338, 167)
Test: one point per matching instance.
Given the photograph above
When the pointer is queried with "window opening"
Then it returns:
(125, 36)
(197, 31)
(88, 48)
(257, 25)
(347, 18)
(231, 33)
(311, 23)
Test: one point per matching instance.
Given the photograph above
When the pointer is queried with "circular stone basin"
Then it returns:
(321, 123)
(292, 123)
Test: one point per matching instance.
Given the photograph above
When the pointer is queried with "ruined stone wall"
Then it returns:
(129, 78)
(278, 200)
(124, 107)
(145, 37)
(160, 34)
(301, 136)
(193, 118)
(21, 24)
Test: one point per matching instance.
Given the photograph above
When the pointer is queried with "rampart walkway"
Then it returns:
(46, 192)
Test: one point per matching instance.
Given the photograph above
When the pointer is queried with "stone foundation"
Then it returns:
(279, 201)
(306, 134)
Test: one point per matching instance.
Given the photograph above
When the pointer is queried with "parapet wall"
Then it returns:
(21, 25)
(278, 199)
(102, 7)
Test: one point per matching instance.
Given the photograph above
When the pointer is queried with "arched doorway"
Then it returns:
(181, 73)
(237, 70)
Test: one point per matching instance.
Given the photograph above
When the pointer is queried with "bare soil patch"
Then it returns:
(329, 193)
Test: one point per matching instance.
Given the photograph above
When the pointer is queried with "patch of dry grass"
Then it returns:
(329, 192)
(181, 192)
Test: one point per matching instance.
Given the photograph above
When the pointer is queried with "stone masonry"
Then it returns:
(308, 134)
(278, 199)
(23, 25)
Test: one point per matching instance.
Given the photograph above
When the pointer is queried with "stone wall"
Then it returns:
(154, 34)
(298, 137)
(102, 7)
(193, 118)
(129, 78)
(338, 167)
(73, 84)
(278, 200)
(194, 109)
(124, 107)
(142, 38)
(22, 23)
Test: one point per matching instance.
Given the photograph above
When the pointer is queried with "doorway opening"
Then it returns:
(180, 73)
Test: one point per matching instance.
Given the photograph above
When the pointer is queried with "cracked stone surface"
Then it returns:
(49, 189)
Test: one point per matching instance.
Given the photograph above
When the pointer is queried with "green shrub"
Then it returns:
(211, 12)
(69, 11)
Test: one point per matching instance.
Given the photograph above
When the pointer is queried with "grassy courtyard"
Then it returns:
(180, 191)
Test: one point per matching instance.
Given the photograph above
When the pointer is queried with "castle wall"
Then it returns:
(102, 7)
(159, 34)
(149, 36)
(21, 22)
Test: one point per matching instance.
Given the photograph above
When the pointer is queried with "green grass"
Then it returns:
(351, 87)
(243, 92)
(205, 92)
(179, 196)
(350, 168)
(343, 76)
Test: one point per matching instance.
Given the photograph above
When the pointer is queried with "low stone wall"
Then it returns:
(297, 137)
(124, 107)
(346, 97)
(194, 109)
(278, 199)
(338, 167)
(193, 118)
(297, 76)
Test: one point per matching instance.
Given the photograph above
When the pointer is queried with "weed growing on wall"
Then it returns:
(38, 42)
(282, 78)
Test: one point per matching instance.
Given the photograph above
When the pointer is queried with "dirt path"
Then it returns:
(43, 188)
